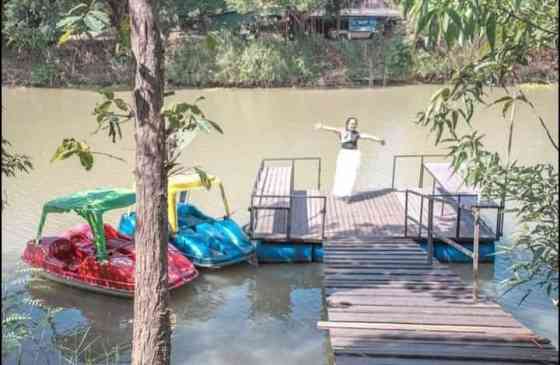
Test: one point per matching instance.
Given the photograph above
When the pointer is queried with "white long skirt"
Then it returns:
(347, 167)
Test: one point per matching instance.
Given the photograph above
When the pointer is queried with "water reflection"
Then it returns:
(226, 316)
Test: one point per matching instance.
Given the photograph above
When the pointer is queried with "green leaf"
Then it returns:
(107, 93)
(455, 17)
(215, 125)
(86, 159)
(203, 177)
(423, 21)
(65, 36)
(68, 21)
(491, 30)
(212, 41)
(121, 104)
(103, 17)
(94, 24)
(506, 107)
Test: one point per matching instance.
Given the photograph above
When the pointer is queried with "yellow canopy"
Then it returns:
(179, 183)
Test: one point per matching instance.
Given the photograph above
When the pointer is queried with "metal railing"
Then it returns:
(422, 157)
(433, 234)
(255, 208)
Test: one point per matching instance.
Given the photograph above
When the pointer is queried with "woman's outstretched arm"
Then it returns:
(321, 126)
(372, 138)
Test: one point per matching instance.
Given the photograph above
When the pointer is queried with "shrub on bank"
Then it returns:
(398, 59)
(229, 60)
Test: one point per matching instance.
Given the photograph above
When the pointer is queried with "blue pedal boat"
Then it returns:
(206, 241)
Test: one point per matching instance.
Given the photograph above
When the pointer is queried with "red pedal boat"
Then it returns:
(95, 256)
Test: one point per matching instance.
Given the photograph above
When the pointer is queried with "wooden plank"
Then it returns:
(350, 359)
(417, 286)
(449, 303)
(389, 277)
(420, 318)
(402, 291)
(462, 352)
(344, 341)
(424, 327)
(505, 337)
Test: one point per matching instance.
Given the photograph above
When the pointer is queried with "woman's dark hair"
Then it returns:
(349, 119)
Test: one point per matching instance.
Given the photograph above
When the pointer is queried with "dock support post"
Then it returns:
(290, 203)
(430, 230)
(319, 176)
(458, 228)
(421, 179)
(324, 212)
(476, 213)
(421, 215)
(406, 213)
(394, 172)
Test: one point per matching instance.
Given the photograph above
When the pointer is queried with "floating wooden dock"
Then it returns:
(379, 213)
(386, 305)
(388, 302)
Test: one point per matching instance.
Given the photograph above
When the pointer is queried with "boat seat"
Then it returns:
(63, 249)
(116, 244)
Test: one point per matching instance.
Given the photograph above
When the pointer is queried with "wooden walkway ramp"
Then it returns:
(387, 306)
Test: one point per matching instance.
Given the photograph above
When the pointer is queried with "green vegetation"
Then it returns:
(226, 60)
(56, 56)
(504, 32)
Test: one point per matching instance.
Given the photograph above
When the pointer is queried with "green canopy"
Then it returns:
(90, 205)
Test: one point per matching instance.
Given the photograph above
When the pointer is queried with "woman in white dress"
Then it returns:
(348, 161)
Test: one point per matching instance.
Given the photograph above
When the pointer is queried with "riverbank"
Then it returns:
(269, 62)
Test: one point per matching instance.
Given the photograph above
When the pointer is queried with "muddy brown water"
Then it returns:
(240, 314)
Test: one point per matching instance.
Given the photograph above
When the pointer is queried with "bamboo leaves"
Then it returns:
(12, 163)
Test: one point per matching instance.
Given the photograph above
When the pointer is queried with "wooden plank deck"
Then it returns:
(378, 213)
(386, 305)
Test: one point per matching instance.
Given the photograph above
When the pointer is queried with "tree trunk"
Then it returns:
(151, 329)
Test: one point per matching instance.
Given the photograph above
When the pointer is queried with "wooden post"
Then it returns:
(420, 218)
(421, 178)
(458, 228)
(476, 213)
(406, 213)
(289, 218)
(394, 172)
(430, 230)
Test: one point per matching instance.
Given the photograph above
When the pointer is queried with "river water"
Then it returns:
(241, 314)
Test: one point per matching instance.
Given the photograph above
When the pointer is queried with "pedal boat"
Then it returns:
(208, 242)
(95, 256)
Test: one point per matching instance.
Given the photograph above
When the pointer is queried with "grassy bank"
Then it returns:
(225, 60)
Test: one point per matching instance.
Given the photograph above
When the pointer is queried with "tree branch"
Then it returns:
(109, 155)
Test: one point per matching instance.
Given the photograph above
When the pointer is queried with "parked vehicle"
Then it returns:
(358, 27)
